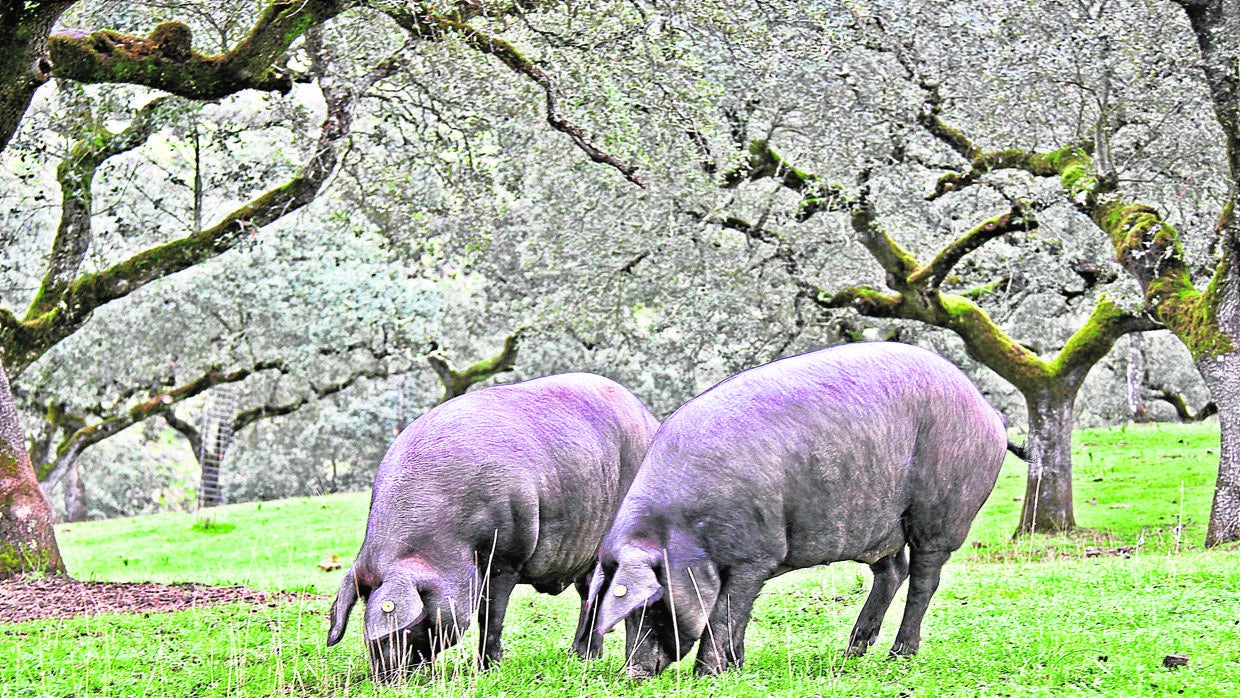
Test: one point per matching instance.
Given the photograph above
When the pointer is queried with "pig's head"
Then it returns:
(663, 594)
(409, 618)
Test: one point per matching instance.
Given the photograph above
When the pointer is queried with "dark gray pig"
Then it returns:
(514, 483)
(849, 453)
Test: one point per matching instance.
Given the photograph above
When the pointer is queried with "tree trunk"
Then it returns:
(27, 536)
(1048, 492)
(1136, 378)
(1222, 376)
(75, 494)
(23, 64)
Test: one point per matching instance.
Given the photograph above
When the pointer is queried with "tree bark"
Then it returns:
(1222, 376)
(24, 65)
(1047, 504)
(27, 536)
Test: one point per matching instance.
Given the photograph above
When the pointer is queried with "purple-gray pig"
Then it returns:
(510, 484)
(851, 453)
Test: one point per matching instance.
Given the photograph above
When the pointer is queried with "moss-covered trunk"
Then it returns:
(27, 536)
(1047, 505)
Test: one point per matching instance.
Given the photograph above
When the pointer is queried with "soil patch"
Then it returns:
(26, 598)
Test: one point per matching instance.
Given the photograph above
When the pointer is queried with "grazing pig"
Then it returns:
(514, 483)
(849, 453)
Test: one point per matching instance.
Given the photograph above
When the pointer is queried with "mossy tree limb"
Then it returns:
(1049, 386)
(79, 435)
(457, 381)
(166, 60)
(72, 446)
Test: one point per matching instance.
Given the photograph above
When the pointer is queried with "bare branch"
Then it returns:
(938, 269)
(72, 446)
(434, 26)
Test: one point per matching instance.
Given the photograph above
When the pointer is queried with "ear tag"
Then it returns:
(619, 590)
(388, 607)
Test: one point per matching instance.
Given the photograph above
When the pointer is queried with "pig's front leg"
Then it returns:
(492, 605)
(722, 646)
(585, 643)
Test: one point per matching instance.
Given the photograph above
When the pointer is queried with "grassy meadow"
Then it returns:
(1093, 613)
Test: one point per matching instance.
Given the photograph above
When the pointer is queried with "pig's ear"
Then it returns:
(693, 589)
(345, 599)
(632, 586)
(393, 606)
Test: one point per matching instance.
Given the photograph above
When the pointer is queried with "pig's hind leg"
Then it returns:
(889, 573)
(925, 566)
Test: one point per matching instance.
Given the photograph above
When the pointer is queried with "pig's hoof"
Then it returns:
(855, 651)
(904, 649)
(585, 654)
(639, 673)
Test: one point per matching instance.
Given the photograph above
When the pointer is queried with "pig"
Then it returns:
(855, 452)
(511, 484)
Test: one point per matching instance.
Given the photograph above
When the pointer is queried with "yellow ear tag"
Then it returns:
(388, 607)
(620, 590)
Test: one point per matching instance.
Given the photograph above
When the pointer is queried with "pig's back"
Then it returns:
(818, 456)
(534, 469)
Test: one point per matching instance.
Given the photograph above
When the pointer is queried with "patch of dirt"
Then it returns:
(25, 598)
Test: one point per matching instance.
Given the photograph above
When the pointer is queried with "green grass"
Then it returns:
(1133, 486)
(1042, 620)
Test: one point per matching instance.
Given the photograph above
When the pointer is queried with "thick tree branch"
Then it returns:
(72, 446)
(316, 392)
(1094, 339)
(898, 262)
(917, 295)
(166, 60)
(189, 431)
